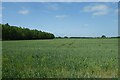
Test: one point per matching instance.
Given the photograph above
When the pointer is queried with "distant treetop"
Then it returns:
(103, 36)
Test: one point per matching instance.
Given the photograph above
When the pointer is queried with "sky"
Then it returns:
(60, 0)
(78, 19)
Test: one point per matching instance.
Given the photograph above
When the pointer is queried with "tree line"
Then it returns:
(19, 33)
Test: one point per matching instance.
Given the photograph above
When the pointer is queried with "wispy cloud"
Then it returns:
(97, 9)
(52, 6)
(61, 16)
(24, 12)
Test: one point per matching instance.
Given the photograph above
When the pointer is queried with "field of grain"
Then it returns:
(60, 58)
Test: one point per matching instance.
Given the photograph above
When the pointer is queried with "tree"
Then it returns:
(59, 37)
(65, 37)
(103, 36)
(18, 33)
(7, 24)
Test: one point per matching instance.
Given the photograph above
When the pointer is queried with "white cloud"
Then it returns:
(100, 13)
(97, 9)
(60, 16)
(52, 6)
(24, 12)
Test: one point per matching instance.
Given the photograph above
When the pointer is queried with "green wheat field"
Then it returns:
(60, 58)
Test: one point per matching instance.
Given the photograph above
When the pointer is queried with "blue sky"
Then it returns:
(64, 19)
(60, 0)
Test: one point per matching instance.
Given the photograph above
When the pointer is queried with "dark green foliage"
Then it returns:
(59, 37)
(0, 32)
(18, 33)
(103, 36)
(65, 37)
